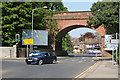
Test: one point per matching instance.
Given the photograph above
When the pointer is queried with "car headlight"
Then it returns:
(36, 58)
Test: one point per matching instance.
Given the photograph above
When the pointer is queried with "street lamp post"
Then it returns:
(82, 36)
(32, 21)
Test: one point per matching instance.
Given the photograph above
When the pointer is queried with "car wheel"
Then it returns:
(54, 61)
(41, 62)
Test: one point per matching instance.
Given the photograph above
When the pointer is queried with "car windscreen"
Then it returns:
(97, 48)
(32, 54)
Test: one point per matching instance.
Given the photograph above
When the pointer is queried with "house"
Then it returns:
(85, 41)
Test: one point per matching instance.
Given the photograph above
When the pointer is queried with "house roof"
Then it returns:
(93, 41)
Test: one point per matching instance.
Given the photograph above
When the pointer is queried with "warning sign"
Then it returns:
(28, 41)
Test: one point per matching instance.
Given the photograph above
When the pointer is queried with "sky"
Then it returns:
(76, 33)
(79, 5)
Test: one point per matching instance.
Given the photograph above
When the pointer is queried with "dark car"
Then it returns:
(97, 50)
(41, 57)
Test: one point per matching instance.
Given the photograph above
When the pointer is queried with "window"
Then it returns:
(47, 54)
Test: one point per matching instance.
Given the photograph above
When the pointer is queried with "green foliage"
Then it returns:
(51, 25)
(105, 14)
(117, 57)
(0, 24)
(64, 53)
(18, 15)
(118, 60)
(97, 34)
(66, 43)
(110, 0)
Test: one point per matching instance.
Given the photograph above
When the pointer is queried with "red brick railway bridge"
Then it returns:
(72, 20)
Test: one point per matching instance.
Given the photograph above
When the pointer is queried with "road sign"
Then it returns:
(28, 41)
(108, 42)
(40, 37)
(114, 46)
(114, 40)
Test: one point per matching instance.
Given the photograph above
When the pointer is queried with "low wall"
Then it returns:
(8, 52)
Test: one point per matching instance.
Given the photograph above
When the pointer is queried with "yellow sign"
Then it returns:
(28, 41)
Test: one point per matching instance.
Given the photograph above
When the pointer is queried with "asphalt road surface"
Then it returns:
(64, 68)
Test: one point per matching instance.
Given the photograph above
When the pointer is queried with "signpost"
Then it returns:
(115, 42)
(112, 57)
(28, 42)
(116, 48)
(111, 45)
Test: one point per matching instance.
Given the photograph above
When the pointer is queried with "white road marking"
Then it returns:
(79, 61)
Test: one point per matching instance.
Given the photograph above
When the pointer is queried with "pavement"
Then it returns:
(104, 69)
(119, 71)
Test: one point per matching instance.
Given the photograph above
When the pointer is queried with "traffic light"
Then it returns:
(17, 37)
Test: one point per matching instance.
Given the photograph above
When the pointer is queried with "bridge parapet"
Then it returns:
(82, 15)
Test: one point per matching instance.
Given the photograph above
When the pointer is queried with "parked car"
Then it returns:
(41, 57)
(89, 50)
(93, 50)
(97, 50)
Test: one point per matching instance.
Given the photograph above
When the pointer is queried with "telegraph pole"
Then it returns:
(116, 47)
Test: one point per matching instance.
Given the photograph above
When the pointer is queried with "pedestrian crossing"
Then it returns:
(77, 60)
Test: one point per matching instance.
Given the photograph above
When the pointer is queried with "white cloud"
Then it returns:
(75, 33)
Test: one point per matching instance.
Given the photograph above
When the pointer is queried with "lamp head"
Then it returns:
(44, 7)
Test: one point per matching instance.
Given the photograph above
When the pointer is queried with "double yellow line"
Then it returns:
(81, 75)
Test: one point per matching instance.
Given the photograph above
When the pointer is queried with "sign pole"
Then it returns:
(96, 55)
(112, 57)
(27, 50)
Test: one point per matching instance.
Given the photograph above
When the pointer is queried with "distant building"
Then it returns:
(91, 40)
(85, 41)
(76, 45)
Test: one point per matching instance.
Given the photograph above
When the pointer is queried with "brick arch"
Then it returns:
(71, 20)
(65, 30)
(66, 23)
(101, 30)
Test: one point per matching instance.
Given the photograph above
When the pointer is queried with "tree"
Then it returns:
(18, 15)
(105, 14)
(0, 24)
(52, 27)
(66, 43)
(98, 36)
